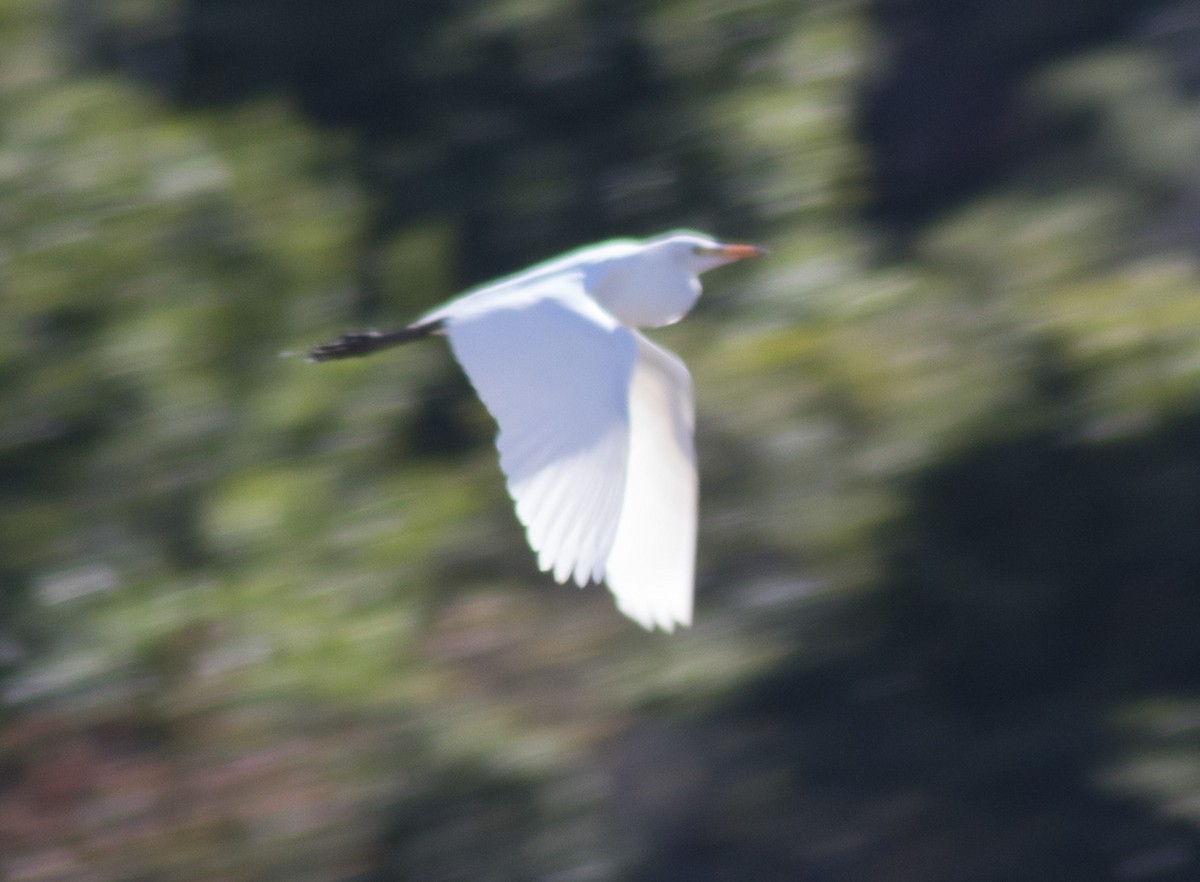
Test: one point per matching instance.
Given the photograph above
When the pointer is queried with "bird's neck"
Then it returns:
(642, 294)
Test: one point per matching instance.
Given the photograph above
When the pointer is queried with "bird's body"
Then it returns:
(595, 421)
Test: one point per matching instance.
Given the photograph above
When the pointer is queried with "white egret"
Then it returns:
(595, 421)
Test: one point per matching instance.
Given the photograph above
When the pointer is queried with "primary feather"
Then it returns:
(554, 371)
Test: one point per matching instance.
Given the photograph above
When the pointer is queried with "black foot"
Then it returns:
(366, 342)
(347, 346)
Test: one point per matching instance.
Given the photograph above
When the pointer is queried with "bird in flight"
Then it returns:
(595, 421)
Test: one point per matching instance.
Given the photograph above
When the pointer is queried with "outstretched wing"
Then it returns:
(554, 370)
(651, 568)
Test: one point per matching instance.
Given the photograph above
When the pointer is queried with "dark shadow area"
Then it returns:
(944, 115)
(466, 824)
(1036, 565)
(821, 776)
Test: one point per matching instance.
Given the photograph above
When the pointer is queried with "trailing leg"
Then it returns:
(365, 342)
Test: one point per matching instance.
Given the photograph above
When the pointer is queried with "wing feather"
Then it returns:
(554, 370)
(651, 568)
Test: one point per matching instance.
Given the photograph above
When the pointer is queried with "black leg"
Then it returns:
(365, 342)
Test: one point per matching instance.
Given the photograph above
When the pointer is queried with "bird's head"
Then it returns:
(656, 281)
(695, 253)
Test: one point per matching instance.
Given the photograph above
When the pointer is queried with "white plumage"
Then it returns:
(595, 421)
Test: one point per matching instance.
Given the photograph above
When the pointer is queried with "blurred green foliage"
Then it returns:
(263, 619)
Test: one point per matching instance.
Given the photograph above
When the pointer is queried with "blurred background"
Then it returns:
(261, 619)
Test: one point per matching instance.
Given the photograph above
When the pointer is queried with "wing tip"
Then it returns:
(650, 617)
(653, 619)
